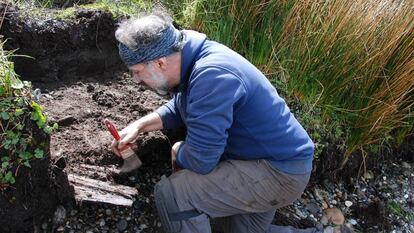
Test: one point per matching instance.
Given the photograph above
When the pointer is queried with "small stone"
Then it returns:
(406, 196)
(131, 178)
(406, 165)
(325, 205)
(313, 207)
(334, 202)
(122, 225)
(353, 222)
(335, 216)
(59, 215)
(108, 212)
(143, 226)
(318, 194)
(44, 226)
(301, 214)
(102, 223)
(90, 88)
(348, 203)
(60, 229)
(324, 220)
(73, 212)
(66, 121)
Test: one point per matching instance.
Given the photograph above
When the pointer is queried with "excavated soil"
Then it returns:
(79, 109)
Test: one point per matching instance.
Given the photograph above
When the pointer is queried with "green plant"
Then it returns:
(17, 109)
(354, 60)
(399, 211)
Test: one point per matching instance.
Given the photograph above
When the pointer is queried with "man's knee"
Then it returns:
(168, 209)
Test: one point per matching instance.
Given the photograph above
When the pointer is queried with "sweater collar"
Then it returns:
(193, 41)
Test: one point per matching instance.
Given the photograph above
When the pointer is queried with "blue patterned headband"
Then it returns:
(165, 46)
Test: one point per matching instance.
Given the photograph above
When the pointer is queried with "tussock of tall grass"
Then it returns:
(354, 59)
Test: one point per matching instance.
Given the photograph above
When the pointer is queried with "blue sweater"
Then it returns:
(231, 111)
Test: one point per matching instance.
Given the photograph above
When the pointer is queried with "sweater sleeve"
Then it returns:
(213, 95)
(170, 116)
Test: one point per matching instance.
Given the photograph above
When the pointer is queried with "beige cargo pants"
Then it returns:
(241, 196)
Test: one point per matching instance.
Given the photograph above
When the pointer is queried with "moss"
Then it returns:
(117, 9)
(68, 13)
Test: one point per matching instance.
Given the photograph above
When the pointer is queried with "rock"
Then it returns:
(335, 216)
(334, 202)
(324, 220)
(325, 205)
(313, 207)
(73, 212)
(317, 194)
(369, 175)
(108, 212)
(66, 121)
(353, 222)
(59, 216)
(300, 214)
(406, 165)
(90, 88)
(122, 225)
(348, 203)
(44, 226)
(102, 223)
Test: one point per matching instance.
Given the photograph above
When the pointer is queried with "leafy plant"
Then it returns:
(17, 109)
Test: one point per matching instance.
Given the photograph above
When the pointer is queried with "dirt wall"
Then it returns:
(60, 49)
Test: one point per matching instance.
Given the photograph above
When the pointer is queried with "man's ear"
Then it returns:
(161, 63)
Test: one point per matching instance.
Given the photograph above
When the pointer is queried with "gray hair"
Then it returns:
(143, 30)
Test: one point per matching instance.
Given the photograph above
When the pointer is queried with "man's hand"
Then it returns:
(174, 151)
(128, 135)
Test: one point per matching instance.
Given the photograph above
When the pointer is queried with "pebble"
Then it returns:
(73, 212)
(334, 202)
(369, 175)
(108, 212)
(406, 165)
(59, 215)
(301, 214)
(102, 223)
(313, 207)
(122, 225)
(348, 203)
(353, 222)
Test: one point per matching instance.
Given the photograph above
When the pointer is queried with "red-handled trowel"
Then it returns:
(131, 159)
